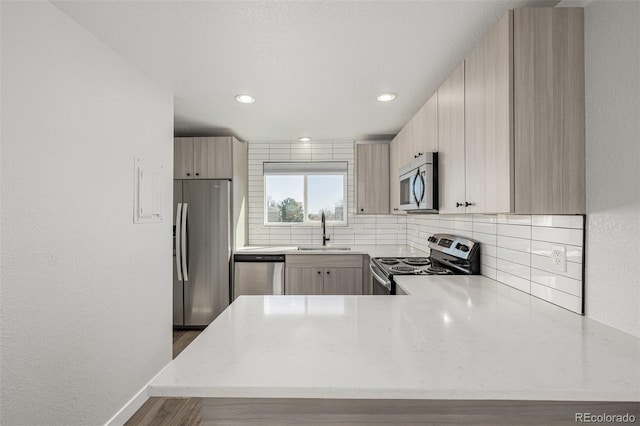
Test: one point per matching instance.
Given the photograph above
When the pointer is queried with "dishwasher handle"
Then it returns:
(278, 279)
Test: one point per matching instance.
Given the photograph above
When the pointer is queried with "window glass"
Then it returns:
(298, 193)
(284, 198)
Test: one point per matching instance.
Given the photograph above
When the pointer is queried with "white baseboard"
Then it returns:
(134, 404)
(130, 408)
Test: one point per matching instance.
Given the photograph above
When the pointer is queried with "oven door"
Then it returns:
(382, 285)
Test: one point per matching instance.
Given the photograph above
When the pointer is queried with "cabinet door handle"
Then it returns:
(188, 174)
(467, 204)
(395, 209)
(459, 205)
(361, 210)
(319, 272)
(328, 272)
(197, 174)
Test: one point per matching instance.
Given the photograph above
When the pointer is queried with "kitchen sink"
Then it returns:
(323, 248)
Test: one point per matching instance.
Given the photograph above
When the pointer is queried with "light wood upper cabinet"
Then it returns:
(420, 135)
(549, 110)
(394, 165)
(488, 122)
(451, 143)
(183, 158)
(212, 158)
(372, 178)
(520, 146)
(203, 158)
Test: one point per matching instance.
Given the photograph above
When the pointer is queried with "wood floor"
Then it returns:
(171, 411)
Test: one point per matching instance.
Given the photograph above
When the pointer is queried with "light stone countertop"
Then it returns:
(371, 250)
(454, 337)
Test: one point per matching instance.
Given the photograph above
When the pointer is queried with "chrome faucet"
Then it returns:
(324, 231)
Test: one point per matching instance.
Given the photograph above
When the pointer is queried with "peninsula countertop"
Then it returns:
(453, 337)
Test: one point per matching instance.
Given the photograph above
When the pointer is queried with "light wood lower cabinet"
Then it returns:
(323, 274)
(342, 281)
(304, 281)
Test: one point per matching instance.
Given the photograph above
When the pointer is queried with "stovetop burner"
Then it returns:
(388, 260)
(436, 270)
(417, 261)
(404, 269)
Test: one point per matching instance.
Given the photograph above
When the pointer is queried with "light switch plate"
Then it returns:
(149, 193)
(559, 258)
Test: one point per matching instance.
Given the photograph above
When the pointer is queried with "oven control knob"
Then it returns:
(462, 247)
(432, 239)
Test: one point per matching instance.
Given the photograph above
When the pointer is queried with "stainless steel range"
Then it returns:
(450, 255)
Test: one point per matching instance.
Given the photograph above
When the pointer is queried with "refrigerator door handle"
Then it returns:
(184, 243)
(177, 242)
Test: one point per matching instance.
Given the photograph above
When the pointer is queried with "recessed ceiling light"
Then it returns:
(304, 139)
(386, 97)
(245, 99)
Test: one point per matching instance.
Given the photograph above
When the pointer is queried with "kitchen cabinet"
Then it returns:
(183, 158)
(329, 274)
(549, 110)
(203, 158)
(451, 143)
(421, 132)
(394, 165)
(304, 281)
(515, 144)
(487, 122)
(342, 280)
(372, 178)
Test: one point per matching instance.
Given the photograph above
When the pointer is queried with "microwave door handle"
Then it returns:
(423, 184)
(416, 179)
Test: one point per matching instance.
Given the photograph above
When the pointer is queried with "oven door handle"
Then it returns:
(378, 278)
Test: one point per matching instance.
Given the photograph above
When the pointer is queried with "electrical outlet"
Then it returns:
(559, 258)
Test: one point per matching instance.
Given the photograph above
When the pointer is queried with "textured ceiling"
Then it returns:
(315, 67)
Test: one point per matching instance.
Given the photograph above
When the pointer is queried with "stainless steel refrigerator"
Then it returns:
(202, 250)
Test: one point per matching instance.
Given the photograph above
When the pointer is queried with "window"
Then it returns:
(298, 193)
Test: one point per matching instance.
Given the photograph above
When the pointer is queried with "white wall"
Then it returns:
(86, 295)
(612, 63)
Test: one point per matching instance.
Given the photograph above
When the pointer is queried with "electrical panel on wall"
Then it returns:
(149, 196)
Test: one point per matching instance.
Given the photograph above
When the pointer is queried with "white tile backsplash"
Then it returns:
(516, 250)
(576, 222)
(557, 235)
(517, 231)
(370, 229)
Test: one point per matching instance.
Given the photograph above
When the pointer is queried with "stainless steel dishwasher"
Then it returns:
(258, 274)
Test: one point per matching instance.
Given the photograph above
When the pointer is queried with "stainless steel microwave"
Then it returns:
(418, 182)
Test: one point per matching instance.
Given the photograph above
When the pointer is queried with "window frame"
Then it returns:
(306, 222)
